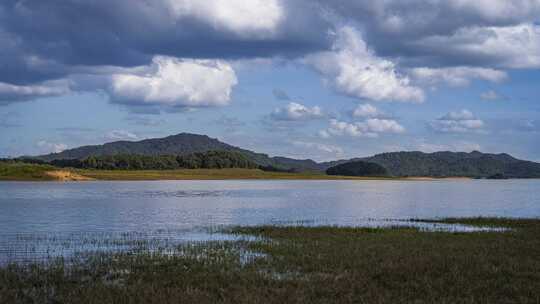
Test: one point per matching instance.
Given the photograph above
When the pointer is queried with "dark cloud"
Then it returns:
(87, 41)
(43, 40)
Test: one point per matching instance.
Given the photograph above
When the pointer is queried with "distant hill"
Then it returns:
(180, 144)
(358, 168)
(438, 164)
(449, 164)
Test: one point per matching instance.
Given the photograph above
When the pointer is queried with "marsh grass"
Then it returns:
(302, 265)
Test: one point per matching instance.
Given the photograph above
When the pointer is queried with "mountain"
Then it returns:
(448, 164)
(438, 164)
(180, 144)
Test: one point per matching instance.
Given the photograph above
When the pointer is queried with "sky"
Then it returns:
(299, 78)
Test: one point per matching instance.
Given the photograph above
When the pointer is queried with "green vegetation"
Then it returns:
(302, 265)
(447, 164)
(14, 170)
(199, 160)
(358, 168)
(204, 174)
(399, 164)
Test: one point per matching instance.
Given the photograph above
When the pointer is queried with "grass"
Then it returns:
(303, 265)
(206, 174)
(18, 171)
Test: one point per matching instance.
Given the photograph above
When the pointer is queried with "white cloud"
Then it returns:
(369, 128)
(121, 135)
(516, 46)
(497, 10)
(296, 111)
(367, 111)
(320, 147)
(356, 71)
(49, 147)
(458, 122)
(457, 76)
(11, 92)
(246, 18)
(490, 95)
(176, 82)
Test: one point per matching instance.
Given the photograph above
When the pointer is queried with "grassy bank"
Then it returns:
(35, 172)
(304, 265)
(204, 174)
(18, 171)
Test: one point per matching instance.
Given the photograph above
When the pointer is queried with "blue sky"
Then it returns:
(299, 78)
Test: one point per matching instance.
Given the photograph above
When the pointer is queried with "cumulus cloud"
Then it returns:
(355, 70)
(50, 147)
(176, 82)
(369, 128)
(121, 135)
(366, 111)
(245, 18)
(331, 149)
(457, 76)
(295, 111)
(458, 122)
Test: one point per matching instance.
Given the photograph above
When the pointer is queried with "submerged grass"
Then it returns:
(302, 265)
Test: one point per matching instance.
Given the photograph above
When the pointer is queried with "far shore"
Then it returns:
(80, 175)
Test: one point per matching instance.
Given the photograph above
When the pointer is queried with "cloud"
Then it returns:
(50, 147)
(295, 112)
(11, 93)
(369, 128)
(121, 135)
(457, 122)
(453, 41)
(356, 71)
(490, 95)
(330, 149)
(367, 111)
(257, 18)
(457, 76)
(176, 82)
(516, 46)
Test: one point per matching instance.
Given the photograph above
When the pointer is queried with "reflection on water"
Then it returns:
(56, 219)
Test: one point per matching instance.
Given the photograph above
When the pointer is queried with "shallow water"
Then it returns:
(52, 219)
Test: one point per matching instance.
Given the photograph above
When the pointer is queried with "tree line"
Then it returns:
(199, 160)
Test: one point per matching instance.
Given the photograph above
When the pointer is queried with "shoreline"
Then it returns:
(285, 264)
(78, 175)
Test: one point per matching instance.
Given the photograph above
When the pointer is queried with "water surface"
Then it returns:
(36, 216)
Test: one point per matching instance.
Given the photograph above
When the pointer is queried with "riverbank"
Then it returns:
(35, 172)
(303, 265)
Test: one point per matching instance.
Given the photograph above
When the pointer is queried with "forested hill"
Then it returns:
(448, 164)
(181, 144)
(474, 164)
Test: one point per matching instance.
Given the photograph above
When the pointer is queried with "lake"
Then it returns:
(53, 219)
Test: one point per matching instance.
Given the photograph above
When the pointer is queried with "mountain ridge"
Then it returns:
(403, 163)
